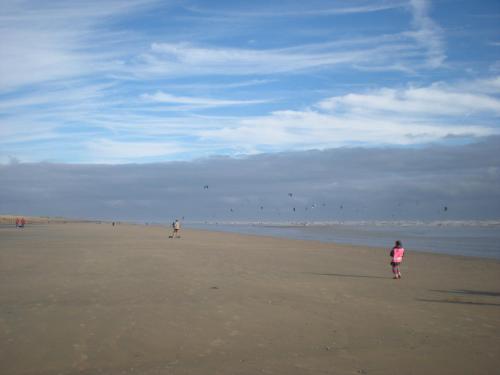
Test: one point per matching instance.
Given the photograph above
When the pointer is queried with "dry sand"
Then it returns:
(97, 299)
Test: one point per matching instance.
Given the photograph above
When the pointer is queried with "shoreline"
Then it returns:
(273, 231)
(292, 224)
(10, 218)
(481, 242)
(347, 245)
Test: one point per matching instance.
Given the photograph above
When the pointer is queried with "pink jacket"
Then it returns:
(397, 254)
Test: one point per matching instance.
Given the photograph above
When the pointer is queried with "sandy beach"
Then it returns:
(88, 298)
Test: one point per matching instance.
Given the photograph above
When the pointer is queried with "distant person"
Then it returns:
(176, 227)
(397, 254)
(173, 226)
(18, 222)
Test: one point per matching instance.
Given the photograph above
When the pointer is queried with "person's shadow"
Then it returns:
(468, 292)
(455, 297)
(346, 275)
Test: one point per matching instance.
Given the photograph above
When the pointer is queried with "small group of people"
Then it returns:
(20, 222)
(176, 228)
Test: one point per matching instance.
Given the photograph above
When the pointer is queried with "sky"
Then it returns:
(146, 85)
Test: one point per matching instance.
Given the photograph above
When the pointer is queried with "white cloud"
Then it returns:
(31, 56)
(197, 86)
(58, 11)
(428, 34)
(383, 116)
(326, 11)
(422, 47)
(484, 85)
(495, 67)
(375, 7)
(435, 100)
(186, 59)
(195, 102)
(56, 96)
(30, 130)
(59, 40)
(50, 40)
(403, 116)
(312, 129)
(115, 151)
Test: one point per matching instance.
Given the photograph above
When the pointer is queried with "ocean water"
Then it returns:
(466, 239)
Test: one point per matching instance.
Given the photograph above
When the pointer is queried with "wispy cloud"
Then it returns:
(218, 85)
(435, 100)
(186, 102)
(43, 41)
(420, 47)
(69, 40)
(427, 33)
(403, 116)
(119, 152)
(181, 59)
(311, 129)
(56, 96)
(384, 116)
(353, 8)
(54, 11)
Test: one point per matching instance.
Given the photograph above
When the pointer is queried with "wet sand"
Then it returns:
(96, 299)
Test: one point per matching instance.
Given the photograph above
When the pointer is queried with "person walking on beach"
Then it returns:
(176, 226)
(397, 254)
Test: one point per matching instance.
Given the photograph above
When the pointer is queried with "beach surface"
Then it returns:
(88, 298)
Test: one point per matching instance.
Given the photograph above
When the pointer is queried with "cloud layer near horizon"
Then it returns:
(335, 184)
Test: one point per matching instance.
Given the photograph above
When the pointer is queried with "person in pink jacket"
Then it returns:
(397, 254)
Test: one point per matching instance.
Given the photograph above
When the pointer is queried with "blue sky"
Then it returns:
(146, 81)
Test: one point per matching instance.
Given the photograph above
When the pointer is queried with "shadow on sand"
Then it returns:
(457, 302)
(468, 292)
(457, 294)
(346, 275)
